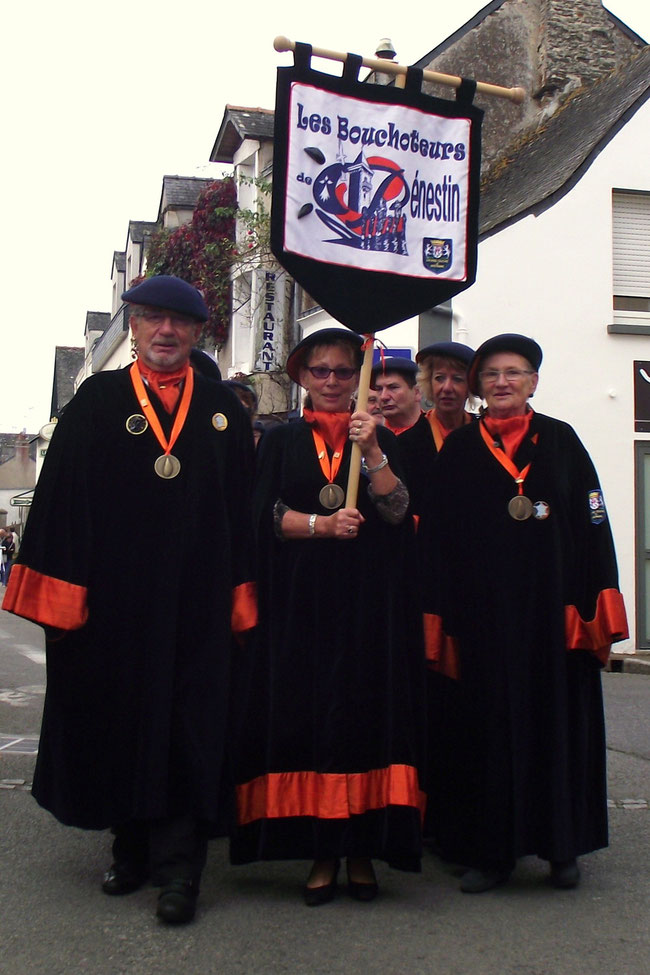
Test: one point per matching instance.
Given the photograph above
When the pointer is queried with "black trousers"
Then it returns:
(167, 849)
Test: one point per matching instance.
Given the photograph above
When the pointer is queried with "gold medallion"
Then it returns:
(167, 466)
(331, 496)
(136, 424)
(520, 507)
(219, 422)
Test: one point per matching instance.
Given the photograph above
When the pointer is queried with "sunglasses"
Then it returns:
(323, 372)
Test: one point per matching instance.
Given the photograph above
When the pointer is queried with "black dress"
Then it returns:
(330, 758)
(530, 608)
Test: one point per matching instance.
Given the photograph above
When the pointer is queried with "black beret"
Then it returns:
(507, 342)
(394, 363)
(447, 350)
(205, 364)
(244, 387)
(325, 336)
(168, 291)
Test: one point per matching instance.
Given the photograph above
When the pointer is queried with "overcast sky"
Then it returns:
(101, 100)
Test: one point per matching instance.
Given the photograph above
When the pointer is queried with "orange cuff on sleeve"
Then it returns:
(441, 650)
(597, 635)
(45, 600)
(244, 607)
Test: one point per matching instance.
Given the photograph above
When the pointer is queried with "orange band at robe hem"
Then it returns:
(244, 607)
(441, 650)
(608, 626)
(46, 600)
(328, 795)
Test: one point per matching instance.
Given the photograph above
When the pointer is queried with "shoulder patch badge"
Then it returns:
(597, 511)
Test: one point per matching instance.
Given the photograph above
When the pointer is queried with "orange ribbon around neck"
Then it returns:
(335, 428)
(151, 415)
(518, 475)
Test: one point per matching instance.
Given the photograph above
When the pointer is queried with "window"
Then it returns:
(631, 261)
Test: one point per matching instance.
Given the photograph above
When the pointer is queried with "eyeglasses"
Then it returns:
(178, 320)
(323, 372)
(490, 376)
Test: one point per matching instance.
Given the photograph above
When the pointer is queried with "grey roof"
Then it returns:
(68, 360)
(182, 192)
(10, 441)
(139, 229)
(490, 8)
(549, 162)
(97, 321)
(119, 260)
(238, 124)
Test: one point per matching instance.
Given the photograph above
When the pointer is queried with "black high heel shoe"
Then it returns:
(362, 890)
(315, 896)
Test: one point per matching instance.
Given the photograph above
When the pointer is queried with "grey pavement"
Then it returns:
(55, 919)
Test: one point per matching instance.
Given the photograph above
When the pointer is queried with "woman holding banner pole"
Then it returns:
(331, 749)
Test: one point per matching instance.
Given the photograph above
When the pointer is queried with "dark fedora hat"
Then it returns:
(168, 291)
(506, 342)
(447, 350)
(325, 336)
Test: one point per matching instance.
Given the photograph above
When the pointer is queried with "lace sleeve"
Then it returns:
(391, 507)
(279, 511)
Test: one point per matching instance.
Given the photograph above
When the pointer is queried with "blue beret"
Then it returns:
(394, 363)
(506, 342)
(168, 291)
(447, 350)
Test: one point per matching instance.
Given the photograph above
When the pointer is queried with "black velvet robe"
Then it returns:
(331, 754)
(524, 749)
(418, 452)
(135, 718)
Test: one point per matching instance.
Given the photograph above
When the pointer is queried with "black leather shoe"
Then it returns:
(565, 875)
(476, 881)
(177, 902)
(315, 896)
(365, 890)
(123, 878)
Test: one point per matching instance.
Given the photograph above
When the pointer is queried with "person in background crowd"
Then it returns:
(523, 604)
(330, 759)
(373, 406)
(135, 733)
(394, 378)
(442, 380)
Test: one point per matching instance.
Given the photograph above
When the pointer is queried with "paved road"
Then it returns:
(55, 920)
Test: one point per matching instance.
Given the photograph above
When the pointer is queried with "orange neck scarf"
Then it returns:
(511, 430)
(166, 385)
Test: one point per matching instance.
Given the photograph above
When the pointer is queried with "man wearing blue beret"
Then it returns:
(140, 612)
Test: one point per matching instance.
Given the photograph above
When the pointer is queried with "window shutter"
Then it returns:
(631, 241)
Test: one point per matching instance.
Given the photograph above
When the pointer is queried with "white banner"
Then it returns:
(376, 186)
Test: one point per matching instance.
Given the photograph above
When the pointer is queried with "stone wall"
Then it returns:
(548, 47)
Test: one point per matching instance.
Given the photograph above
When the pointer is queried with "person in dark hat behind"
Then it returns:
(442, 379)
(523, 603)
(394, 378)
(332, 734)
(134, 729)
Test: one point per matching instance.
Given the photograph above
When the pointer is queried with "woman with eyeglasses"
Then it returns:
(332, 735)
(522, 591)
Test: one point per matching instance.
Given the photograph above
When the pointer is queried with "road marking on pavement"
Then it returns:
(19, 744)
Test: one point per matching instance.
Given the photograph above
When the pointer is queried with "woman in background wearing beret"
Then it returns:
(330, 753)
(523, 590)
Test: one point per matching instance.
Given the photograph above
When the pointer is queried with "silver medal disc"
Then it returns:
(520, 507)
(331, 496)
(167, 466)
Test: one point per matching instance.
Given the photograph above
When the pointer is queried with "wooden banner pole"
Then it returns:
(516, 95)
(362, 402)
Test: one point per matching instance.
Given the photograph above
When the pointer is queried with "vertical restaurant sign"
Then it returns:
(375, 194)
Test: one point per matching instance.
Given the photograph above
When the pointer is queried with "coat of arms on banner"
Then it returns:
(375, 199)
